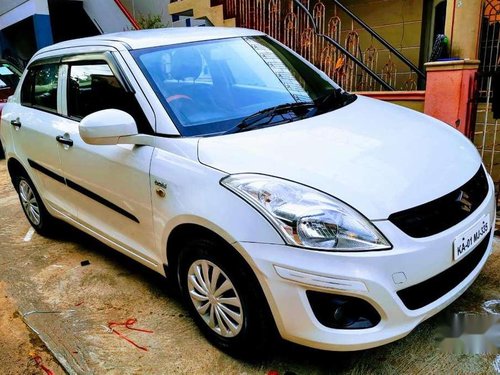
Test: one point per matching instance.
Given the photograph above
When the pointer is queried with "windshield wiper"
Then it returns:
(334, 99)
(266, 116)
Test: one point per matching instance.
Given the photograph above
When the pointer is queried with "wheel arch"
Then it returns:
(184, 232)
(15, 168)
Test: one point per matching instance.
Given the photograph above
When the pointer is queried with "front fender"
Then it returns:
(192, 194)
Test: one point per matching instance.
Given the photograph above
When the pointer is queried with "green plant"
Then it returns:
(150, 21)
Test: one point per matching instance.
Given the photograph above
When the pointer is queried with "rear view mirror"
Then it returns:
(106, 127)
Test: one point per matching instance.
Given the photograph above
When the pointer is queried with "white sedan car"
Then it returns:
(277, 201)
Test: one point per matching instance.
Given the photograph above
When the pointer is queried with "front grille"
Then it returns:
(443, 213)
(420, 295)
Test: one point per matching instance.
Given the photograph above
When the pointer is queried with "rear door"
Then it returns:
(110, 185)
(35, 129)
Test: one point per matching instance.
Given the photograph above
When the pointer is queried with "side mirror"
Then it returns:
(106, 127)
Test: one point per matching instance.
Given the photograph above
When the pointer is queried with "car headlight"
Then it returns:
(306, 217)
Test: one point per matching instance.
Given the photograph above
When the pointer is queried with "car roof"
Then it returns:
(138, 39)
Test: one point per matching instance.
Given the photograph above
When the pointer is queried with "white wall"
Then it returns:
(107, 16)
(13, 11)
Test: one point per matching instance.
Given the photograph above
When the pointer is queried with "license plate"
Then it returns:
(468, 240)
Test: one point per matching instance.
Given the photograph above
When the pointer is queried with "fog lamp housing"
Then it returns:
(342, 312)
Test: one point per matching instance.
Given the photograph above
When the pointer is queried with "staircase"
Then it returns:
(213, 11)
(110, 16)
(317, 31)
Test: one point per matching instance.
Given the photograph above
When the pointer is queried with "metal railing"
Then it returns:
(303, 26)
(348, 54)
(487, 125)
(229, 7)
(361, 68)
(386, 44)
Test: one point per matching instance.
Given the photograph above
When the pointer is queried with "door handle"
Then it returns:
(16, 122)
(64, 140)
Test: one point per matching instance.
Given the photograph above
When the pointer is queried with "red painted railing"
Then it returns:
(229, 7)
(127, 14)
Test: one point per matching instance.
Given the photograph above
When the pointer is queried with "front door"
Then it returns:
(110, 184)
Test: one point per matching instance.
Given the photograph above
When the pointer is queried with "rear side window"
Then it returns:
(40, 87)
(93, 87)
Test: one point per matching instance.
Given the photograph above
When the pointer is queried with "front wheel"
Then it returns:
(222, 299)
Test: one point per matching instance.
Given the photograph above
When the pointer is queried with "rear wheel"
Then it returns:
(222, 298)
(32, 205)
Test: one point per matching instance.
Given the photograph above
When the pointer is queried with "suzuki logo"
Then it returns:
(463, 198)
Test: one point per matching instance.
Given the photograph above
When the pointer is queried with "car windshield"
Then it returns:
(228, 85)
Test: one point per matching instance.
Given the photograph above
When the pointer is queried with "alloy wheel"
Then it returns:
(29, 202)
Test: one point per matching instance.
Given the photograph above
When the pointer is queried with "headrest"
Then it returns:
(186, 63)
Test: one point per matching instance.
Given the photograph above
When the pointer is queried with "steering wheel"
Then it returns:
(174, 97)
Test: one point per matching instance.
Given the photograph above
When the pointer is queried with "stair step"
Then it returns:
(201, 9)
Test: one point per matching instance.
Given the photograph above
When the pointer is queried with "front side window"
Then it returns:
(40, 87)
(92, 86)
(212, 86)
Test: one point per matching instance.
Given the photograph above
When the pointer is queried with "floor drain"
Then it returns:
(492, 307)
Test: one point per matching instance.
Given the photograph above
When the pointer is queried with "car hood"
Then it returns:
(378, 157)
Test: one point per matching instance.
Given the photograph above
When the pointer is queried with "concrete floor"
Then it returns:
(68, 306)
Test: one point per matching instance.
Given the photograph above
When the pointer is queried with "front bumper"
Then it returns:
(286, 273)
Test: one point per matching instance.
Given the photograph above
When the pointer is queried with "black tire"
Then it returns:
(33, 206)
(257, 328)
(2, 155)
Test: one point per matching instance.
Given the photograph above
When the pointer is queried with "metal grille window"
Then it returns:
(489, 47)
(487, 129)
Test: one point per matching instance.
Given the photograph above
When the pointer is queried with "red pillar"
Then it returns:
(450, 91)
